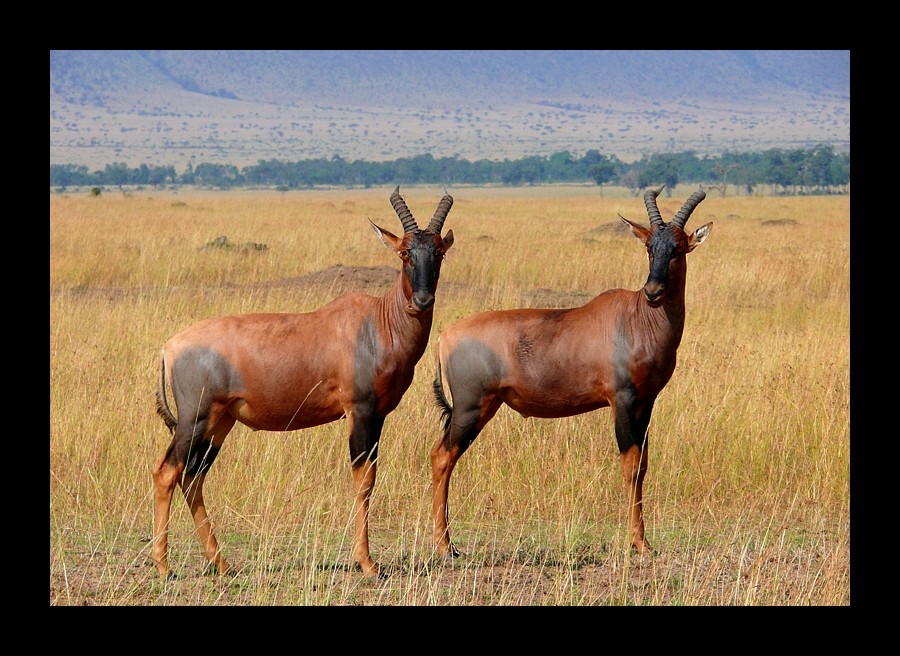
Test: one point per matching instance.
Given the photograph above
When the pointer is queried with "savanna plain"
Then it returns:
(747, 498)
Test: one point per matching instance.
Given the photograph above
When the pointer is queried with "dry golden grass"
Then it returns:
(748, 494)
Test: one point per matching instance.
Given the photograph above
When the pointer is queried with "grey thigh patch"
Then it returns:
(201, 375)
(472, 369)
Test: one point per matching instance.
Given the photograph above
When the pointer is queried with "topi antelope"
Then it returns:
(352, 358)
(617, 350)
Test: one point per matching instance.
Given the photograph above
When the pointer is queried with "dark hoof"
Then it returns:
(212, 570)
(645, 551)
(449, 558)
(375, 571)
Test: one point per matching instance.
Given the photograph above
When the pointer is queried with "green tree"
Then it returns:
(188, 176)
(818, 167)
(223, 176)
(117, 174)
(661, 168)
(159, 175)
(602, 172)
(779, 169)
(560, 166)
(528, 170)
(840, 172)
(66, 175)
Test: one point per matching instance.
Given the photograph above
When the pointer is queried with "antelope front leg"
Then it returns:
(364, 483)
(365, 431)
(634, 467)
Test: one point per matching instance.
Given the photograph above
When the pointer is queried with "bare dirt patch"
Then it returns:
(339, 279)
(336, 280)
(342, 278)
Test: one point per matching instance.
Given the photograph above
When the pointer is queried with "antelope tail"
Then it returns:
(162, 403)
(441, 398)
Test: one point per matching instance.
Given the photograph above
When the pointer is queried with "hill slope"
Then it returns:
(238, 107)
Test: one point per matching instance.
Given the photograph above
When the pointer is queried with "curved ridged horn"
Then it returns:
(689, 205)
(652, 210)
(440, 214)
(406, 217)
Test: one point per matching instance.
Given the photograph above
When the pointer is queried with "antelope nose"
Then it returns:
(654, 292)
(423, 300)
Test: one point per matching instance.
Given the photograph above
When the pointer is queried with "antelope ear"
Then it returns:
(447, 240)
(387, 237)
(638, 231)
(698, 236)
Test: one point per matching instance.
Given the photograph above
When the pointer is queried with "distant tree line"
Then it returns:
(812, 171)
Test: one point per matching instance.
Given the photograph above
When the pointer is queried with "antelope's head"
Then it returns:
(422, 251)
(667, 243)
